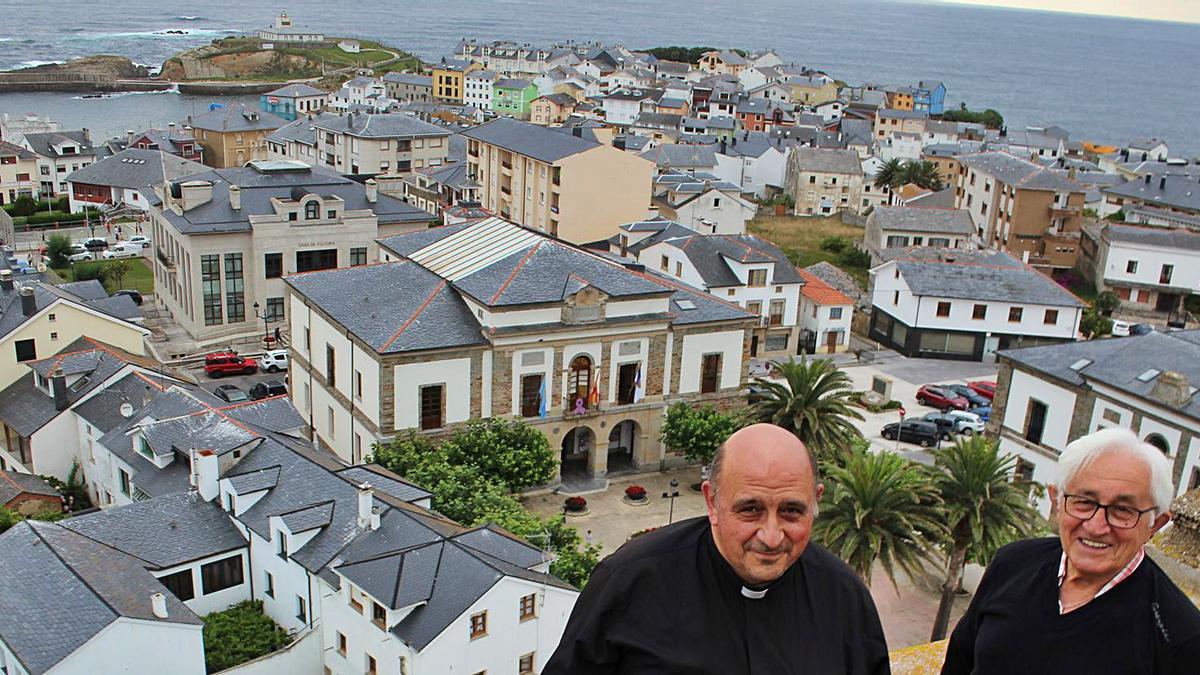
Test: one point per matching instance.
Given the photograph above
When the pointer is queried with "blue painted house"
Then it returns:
(293, 100)
(930, 97)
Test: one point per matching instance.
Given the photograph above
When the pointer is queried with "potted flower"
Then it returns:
(635, 494)
(575, 505)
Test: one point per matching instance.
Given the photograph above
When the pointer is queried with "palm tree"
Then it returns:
(813, 402)
(984, 508)
(881, 507)
(890, 174)
(924, 174)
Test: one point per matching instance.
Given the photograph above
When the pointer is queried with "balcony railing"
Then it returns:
(164, 259)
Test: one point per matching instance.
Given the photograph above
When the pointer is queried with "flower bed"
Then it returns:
(575, 505)
(636, 494)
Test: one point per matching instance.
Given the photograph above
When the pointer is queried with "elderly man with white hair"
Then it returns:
(1090, 600)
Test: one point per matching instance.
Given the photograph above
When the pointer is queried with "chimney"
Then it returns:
(6, 280)
(372, 190)
(194, 193)
(171, 126)
(147, 396)
(367, 517)
(235, 197)
(158, 604)
(206, 472)
(724, 144)
(58, 387)
(1162, 182)
(87, 134)
(128, 137)
(1025, 257)
(619, 142)
(28, 301)
(1172, 388)
(577, 131)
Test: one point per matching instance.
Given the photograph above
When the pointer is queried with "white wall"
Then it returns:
(725, 213)
(728, 343)
(1190, 465)
(1150, 260)
(302, 657)
(290, 581)
(822, 323)
(409, 378)
(205, 603)
(139, 646)
(1060, 403)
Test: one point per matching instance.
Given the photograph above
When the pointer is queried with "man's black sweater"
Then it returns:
(1144, 624)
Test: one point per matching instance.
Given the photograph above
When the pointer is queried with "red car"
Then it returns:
(219, 364)
(942, 399)
(984, 388)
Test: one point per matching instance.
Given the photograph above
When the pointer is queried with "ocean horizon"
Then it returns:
(1103, 78)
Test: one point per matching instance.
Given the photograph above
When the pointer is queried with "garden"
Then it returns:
(239, 634)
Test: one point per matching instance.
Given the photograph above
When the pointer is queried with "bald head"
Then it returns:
(759, 445)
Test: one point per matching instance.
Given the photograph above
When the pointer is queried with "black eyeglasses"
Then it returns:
(1119, 516)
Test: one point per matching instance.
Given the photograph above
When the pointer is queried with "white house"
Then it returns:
(703, 202)
(891, 227)
(1049, 396)
(58, 154)
(825, 315)
(478, 88)
(901, 145)
(1147, 266)
(361, 92)
(957, 304)
(753, 160)
(622, 106)
(117, 180)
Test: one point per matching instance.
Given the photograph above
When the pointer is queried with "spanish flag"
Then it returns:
(594, 394)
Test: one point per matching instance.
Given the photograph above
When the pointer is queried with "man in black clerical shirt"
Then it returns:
(742, 591)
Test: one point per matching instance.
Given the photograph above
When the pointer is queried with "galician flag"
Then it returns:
(542, 400)
(639, 390)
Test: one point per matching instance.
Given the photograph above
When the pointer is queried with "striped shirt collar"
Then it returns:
(1121, 576)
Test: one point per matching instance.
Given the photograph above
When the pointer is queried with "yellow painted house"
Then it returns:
(448, 79)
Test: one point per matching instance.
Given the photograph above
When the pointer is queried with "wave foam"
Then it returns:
(34, 63)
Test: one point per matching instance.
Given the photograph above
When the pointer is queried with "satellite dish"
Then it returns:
(126, 410)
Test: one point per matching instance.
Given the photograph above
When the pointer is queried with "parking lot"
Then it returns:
(243, 382)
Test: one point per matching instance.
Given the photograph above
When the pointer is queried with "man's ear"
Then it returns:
(710, 500)
(1160, 522)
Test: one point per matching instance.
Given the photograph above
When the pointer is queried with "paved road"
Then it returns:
(243, 382)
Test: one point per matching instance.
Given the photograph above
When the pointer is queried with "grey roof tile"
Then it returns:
(296, 91)
(377, 125)
(978, 275)
(236, 117)
(163, 531)
(909, 219)
(135, 168)
(384, 481)
(708, 254)
(1171, 189)
(13, 485)
(1018, 172)
(43, 143)
(827, 161)
(254, 481)
(530, 140)
(309, 517)
(1152, 235)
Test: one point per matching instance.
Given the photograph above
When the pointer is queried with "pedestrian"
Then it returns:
(278, 336)
(588, 537)
(1089, 600)
(741, 591)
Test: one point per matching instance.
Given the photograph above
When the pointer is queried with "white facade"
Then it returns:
(726, 343)
(716, 212)
(1144, 265)
(901, 146)
(161, 648)
(478, 86)
(823, 319)
(754, 174)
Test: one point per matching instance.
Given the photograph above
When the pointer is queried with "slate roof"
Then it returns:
(1172, 190)
(978, 275)
(135, 168)
(676, 156)
(236, 117)
(904, 114)
(296, 91)
(42, 143)
(26, 408)
(74, 587)
(696, 182)
(377, 125)
(308, 517)
(453, 175)
(9, 149)
(254, 481)
(661, 228)
(13, 485)
(411, 79)
(910, 219)
(163, 531)
(384, 481)
(261, 181)
(300, 131)
(819, 160)
(1152, 235)
(837, 278)
(1121, 363)
(709, 254)
(531, 140)
(1018, 172)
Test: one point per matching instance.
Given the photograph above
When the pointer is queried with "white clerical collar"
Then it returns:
(753, 594)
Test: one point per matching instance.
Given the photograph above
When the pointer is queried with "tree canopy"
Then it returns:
(988, 118)
(814, 402)
(684, 54)
(697, 432)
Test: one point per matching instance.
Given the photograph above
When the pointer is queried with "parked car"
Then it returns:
(274, 360)
(936, 397)
(1141, 329)
(912, 431)
(947, 425)
(219, 364)
(80, 256)
(973, 397)
(966, 423)
(93, 243)
(230, 394)
(140, 240)
(267, 389)
(1120, 328)
(135, 296)
(984, 412)
(984, 388)
(122, 250)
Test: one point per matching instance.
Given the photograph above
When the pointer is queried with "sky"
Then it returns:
(1163, 10)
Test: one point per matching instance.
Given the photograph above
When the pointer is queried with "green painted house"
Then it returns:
(513, 96)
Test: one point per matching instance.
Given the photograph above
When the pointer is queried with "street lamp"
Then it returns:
(266, 329)
(672, 495)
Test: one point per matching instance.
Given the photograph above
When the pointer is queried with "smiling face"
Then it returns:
(1094, 548)
(762, 513)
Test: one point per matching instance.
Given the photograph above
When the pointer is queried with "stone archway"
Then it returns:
(622, 443)
(577, 446)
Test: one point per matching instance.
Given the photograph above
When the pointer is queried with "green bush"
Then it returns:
(23, 206)
(58, 247)
(854, 257)
(835, 244)
(697, 432)
(239, 634)
(86, 271)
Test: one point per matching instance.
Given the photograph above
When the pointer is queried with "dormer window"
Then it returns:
(312, 210)
(145, 449)
(281, 547)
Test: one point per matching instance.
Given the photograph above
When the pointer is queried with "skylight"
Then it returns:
(1149, 375)
(1081, 364)
(685, 304)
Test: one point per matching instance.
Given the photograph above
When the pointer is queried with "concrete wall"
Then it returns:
(302, 657)
(601, 189)
(136, 645)
(728, 343)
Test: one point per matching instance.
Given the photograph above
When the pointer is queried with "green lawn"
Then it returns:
(140, 278)
(800, 238)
